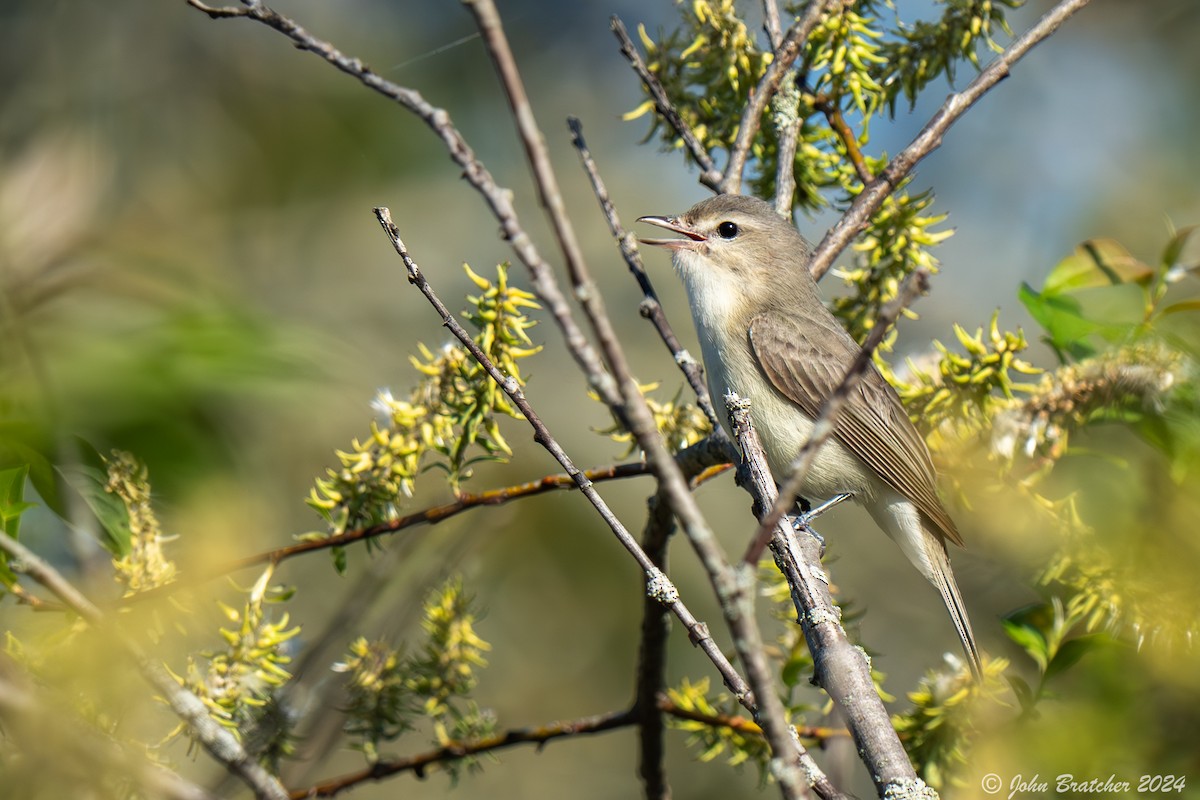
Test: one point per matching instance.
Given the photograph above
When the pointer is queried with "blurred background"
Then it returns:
(190, 270)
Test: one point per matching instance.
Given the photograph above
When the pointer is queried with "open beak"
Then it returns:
(675, 226)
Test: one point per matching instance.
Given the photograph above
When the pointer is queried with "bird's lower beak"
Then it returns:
(674, 225)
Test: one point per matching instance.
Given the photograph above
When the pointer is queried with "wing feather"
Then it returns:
(806, 360)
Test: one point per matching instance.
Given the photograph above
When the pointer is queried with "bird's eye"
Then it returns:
(727, 230)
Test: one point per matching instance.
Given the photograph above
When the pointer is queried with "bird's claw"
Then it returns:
(804, 520)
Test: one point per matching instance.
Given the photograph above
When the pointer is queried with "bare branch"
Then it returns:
(216, 740)
(710, 176)
(785, 56)
(650, 307)
(840, 669)
(772, 24)
(823, 426)
(454, 751)
(434, 514)
(820, 733)
(858, 216)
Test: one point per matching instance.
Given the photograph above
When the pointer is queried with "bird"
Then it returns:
(766, 335)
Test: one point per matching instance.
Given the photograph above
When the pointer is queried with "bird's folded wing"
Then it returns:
(807, 362)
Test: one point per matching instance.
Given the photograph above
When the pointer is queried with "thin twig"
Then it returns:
(858, 216)
(435, 514)
(839, 668)
(819, 733)
(785, 56)
(710, 176)
(823, 427)
(658, 585)
(838, 124)
(772, 24)
(454, 751)
(650, 307)
(220, 743)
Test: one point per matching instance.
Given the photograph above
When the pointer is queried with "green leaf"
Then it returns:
(1031, 640)
(1174, 248)
(23, 443)
(1118, 311)
(1098, 262)
(1072, 650)
(1066, 329)
(89, 477)
(1025, 696)
(1114, 313)
(793, 671)
(12, 506)
(1183, 305)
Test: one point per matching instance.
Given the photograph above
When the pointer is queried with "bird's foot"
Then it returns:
(804, 520)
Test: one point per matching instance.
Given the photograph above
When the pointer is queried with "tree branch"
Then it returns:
(839, 668)
(216, 740)
(710, 176)
(788, 122)
(434, 514)
(838, 124)
(785, 56)
(454, 751)
(650, 307)
(772, 24)
(819, 733)
(652, 657)
(858, 216)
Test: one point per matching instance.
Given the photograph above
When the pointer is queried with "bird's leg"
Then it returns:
(812, 513)
(808, 514)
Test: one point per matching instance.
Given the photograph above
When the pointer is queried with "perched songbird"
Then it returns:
(766, 335)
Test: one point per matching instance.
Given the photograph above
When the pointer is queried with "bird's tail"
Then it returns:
(910, 529)
(942, 577)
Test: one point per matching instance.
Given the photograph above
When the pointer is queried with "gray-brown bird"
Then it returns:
(766, 335)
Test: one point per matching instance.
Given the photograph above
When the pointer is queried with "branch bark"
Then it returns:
(785, 56)
(840, 668)
(650, 307)
(710, 176)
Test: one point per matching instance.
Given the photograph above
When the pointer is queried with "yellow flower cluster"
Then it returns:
(452, 413)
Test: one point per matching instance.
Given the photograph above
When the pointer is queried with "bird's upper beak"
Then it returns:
(672, 224)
